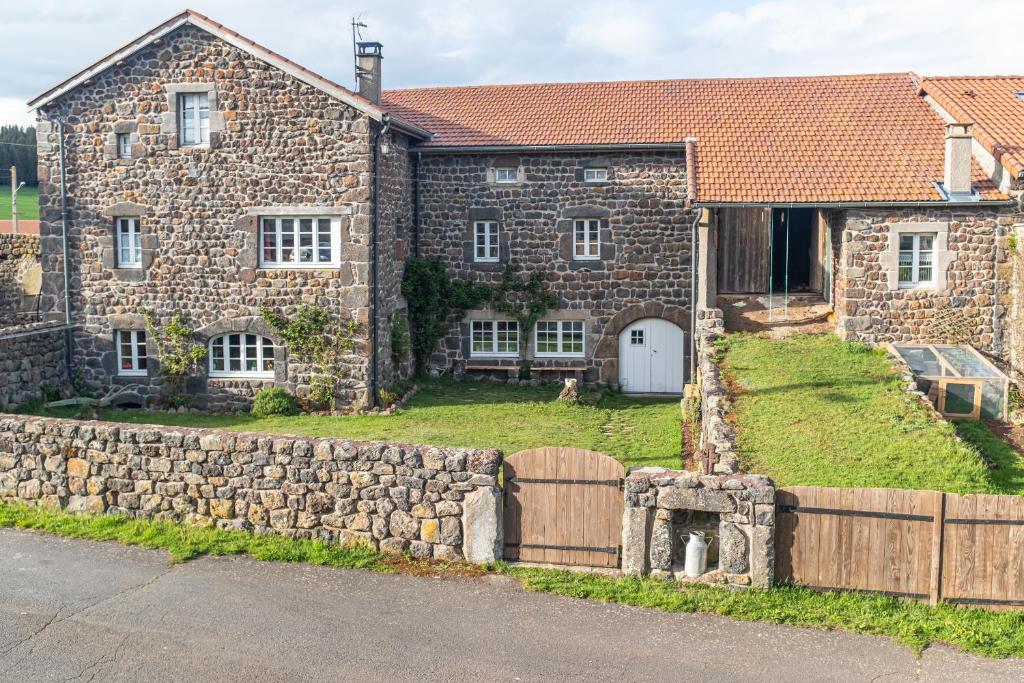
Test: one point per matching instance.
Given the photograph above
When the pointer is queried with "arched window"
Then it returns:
(242, 355)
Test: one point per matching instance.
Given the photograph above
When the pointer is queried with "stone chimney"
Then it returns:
(957, 179)
(368, 56)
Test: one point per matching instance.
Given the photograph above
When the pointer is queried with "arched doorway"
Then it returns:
(651, 354)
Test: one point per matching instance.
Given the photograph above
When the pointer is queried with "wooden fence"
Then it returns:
(965, 550)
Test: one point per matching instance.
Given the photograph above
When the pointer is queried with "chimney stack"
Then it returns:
(957, 180)
(368, 56)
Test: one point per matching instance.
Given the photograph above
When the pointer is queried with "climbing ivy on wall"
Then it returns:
(434, 298)
(179, 355)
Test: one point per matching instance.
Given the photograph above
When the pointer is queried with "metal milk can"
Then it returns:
(696, 554)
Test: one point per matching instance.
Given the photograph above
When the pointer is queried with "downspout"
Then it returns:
(417, 160)
(374, 261)
(68, 339)
(691, 198)
(997, 333)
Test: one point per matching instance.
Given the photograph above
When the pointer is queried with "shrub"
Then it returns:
(274, 401)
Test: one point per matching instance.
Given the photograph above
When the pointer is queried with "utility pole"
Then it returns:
(14, 198)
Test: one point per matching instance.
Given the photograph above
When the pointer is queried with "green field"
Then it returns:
(28, 203)
(811, 410)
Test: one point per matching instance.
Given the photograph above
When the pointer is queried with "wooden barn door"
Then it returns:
(563, 506)
(744, 236)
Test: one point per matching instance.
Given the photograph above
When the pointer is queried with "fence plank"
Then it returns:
(935, 569)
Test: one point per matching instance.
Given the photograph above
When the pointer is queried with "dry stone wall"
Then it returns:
(644, 269)
(17, 254)
(275, 142)
(31, 357)
(431, 502)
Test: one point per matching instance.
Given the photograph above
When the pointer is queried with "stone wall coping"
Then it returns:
(659, 476)
(25, 329)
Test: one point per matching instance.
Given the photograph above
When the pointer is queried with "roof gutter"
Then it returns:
(518, 149)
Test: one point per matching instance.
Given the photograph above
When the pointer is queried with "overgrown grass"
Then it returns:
(816, 411)
(992, 634)
(28, 203)
(637, 431)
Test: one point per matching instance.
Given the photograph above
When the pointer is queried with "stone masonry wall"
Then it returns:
(972, 306)
(17, 254)
(644, 270)
(31, 357)
(275, 142)
(718, 453)
(662, 506)
(432, 502)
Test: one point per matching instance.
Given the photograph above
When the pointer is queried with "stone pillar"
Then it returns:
(635, 523)
(707, 273)
(482, 526)
(661, 544)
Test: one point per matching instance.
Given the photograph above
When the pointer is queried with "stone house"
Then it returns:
(207, 176)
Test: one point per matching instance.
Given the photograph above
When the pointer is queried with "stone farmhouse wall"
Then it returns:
(972, 306)
(737, 511)
(17, 254)
(31, 357)
(645, 264)
(274, 142)
(432, 502)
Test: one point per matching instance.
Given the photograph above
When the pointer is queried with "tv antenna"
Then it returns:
(357, 36)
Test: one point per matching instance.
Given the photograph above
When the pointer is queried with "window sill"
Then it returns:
(133, 373)
(246, 377)
(300, 266)
(587, 258)
(493, 356)
(923, 287)
(560, 355)
(486, 260)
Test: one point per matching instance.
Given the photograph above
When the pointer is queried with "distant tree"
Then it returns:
(20, 152)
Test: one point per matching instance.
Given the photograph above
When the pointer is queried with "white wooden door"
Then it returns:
(651, 354)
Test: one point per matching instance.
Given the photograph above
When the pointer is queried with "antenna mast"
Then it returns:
(357, 35)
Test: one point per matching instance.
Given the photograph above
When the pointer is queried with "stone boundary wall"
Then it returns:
(439, 503)
(659, 514)
(31, 356)
(17, 253)
(717, 437)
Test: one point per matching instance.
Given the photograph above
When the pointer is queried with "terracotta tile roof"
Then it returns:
(991, 104)
(868, 138)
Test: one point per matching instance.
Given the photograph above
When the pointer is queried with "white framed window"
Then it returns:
(559, 338)
(124, 146)
(506, 174)
(495, 338)
(586, 241)
(595, 175)
(485, 241)
(636, 337)
(249, 356)
(917, 260)
(193, 119)
(129, 243)
(299, 241)
(131, 353)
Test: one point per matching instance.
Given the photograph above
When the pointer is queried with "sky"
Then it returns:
(463, 42)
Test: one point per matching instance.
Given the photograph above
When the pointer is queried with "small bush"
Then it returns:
(274, 401)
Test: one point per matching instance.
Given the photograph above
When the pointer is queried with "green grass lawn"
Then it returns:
(913, 624)
(28, 203)
(637, 431)
(812, 410)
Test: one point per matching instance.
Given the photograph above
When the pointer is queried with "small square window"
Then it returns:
(595, 175)
(124, 146)
(506, 174)
(193, 119)
(131, 352)
(485, 241)
(129, 243)
(636, 337)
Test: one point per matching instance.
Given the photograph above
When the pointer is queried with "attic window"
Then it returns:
(1019, 95)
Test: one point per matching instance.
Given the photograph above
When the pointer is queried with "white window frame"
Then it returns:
(293, 231)
(193, 119)
(915, 281)
(224, 342)
(588, 225)
(638, 337)
(510, 173)
(492, 329)
(136, 341)
(595, 175)
(562, 333)
(491, 245)
(128, 239)
(124, 145)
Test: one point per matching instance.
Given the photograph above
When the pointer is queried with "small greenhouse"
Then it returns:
(959, 381)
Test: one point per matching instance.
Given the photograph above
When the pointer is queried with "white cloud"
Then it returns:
(618, 30)
(13, 111)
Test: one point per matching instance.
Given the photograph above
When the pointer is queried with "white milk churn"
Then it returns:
(696, 554)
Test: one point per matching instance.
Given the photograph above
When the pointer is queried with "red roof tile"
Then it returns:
(868, 138)
(992, 105)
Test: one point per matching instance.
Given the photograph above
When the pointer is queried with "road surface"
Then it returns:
(81, 611)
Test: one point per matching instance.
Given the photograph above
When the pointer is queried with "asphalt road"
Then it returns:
(74, 610)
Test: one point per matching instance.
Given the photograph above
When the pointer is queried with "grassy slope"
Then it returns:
(813, 410)
(993, 634)
(28, 203)
(641, 432)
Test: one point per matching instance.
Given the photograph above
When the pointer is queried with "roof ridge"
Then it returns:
(723, 79)
(974, 78)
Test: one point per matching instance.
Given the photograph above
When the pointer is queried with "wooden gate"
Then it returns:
(563, 506)
(965, 550)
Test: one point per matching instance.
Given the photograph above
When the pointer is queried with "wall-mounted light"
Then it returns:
(385, 145)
